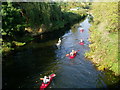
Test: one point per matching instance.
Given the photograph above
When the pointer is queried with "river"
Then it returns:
(24, 68)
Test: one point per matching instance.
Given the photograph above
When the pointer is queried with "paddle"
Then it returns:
(69, 54)
(41, 78)
(47, 77)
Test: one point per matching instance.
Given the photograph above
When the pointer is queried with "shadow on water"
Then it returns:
(42, 57)
(26, 63)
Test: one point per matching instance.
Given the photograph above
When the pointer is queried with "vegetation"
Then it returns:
(104, 36)
(12, 20)
(22, 21)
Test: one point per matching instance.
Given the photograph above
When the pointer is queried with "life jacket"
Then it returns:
(45, 80)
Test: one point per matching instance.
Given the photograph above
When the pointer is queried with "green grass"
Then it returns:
(104, 37)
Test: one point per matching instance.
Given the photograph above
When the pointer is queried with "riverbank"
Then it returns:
(104, 37)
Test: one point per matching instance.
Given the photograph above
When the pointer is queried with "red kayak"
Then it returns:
(43, 85)
(81, 43)
(81, 30)
(71, 57)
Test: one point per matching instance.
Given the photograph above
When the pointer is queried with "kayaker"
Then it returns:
(81, 40)
(45, 84)
(73, 52)
(45, 79)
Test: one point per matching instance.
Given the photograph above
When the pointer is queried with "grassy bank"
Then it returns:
(104, 36)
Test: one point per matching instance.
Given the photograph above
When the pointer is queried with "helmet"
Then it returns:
(45, 76)
(72, 50)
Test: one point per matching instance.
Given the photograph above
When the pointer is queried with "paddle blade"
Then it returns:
(67, 55)
(41, 78)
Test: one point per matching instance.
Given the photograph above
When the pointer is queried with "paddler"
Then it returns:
(45, 79)
(73, 52)
(81, 40)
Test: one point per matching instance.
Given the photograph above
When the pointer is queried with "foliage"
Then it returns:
(41, 14)
(6, 47)
(12, 20)
(66, 6)
(23, 20)
(104, 48)
(18, 43)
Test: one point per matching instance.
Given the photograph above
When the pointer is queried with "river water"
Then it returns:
(24, 68)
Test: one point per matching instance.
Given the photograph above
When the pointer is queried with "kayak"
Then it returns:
(81, 43)
(43, 85)
(81, 30)
(71, 57)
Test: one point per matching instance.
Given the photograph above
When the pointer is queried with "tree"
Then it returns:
(13, 22)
